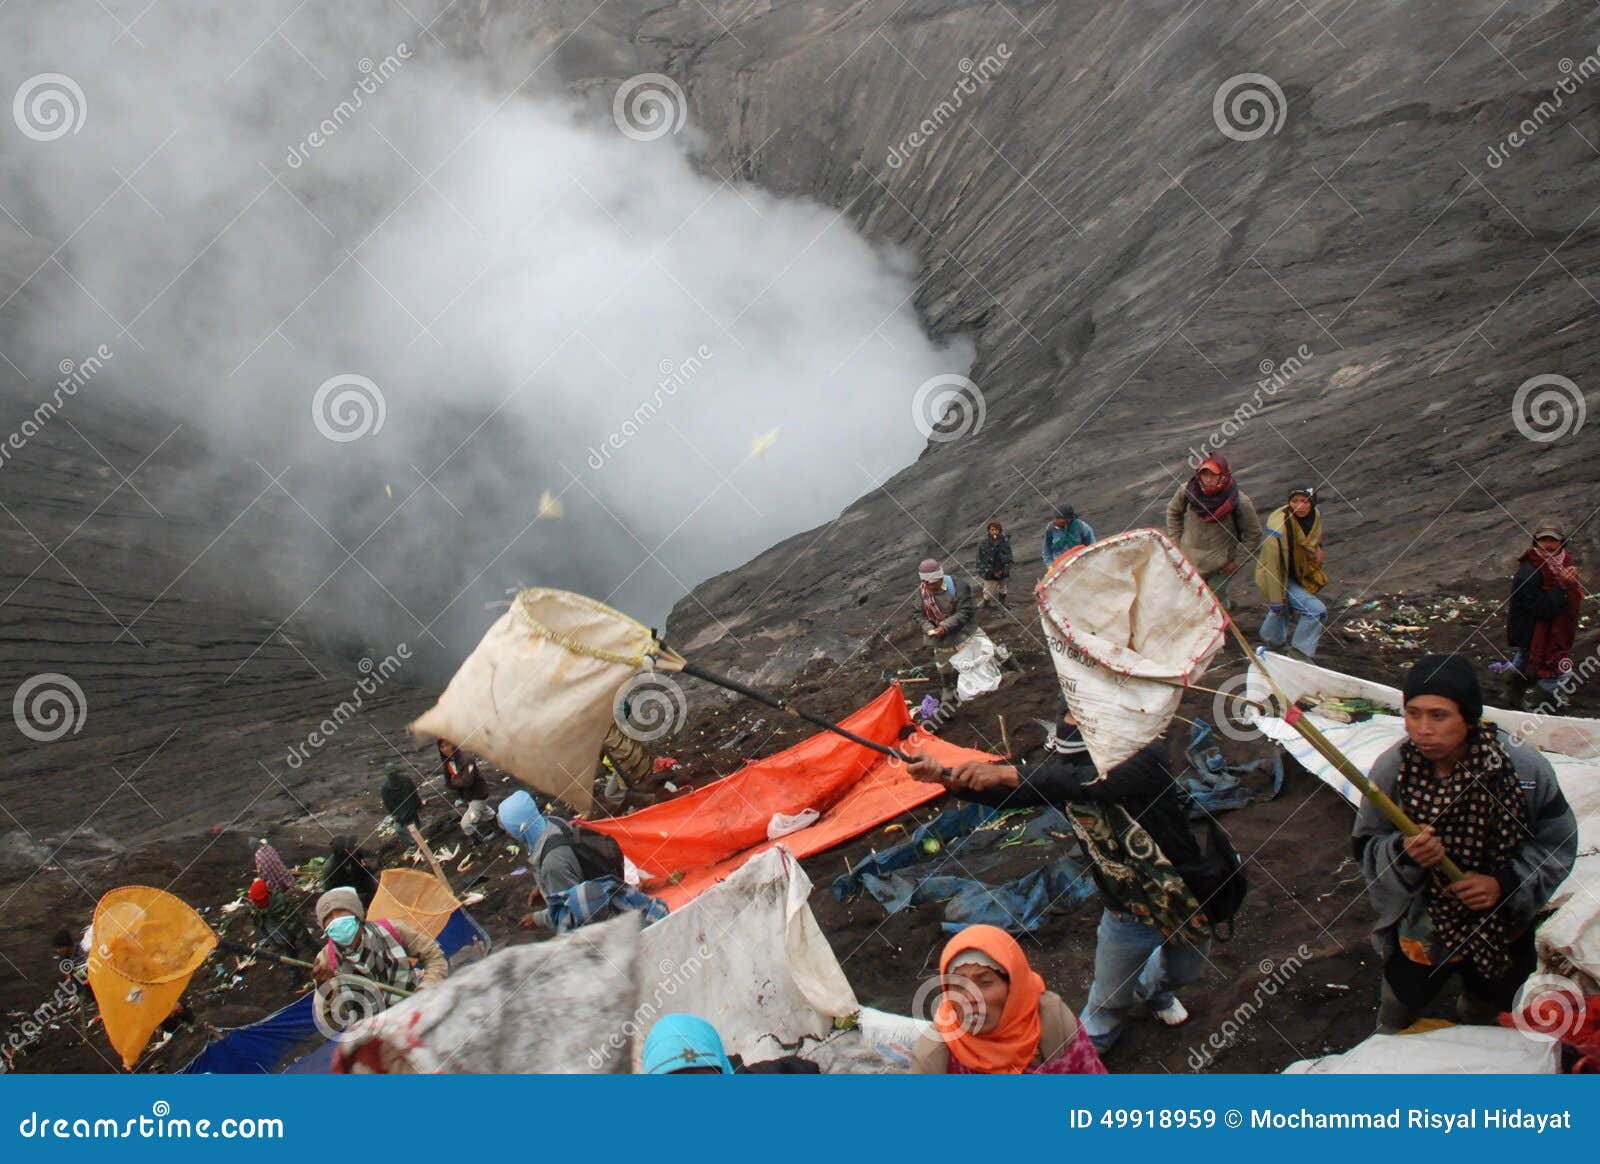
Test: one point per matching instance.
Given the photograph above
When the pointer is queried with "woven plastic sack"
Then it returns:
(418, 899)
(147, 945)
(563, 1006)
(1130, 623)
(536, 695)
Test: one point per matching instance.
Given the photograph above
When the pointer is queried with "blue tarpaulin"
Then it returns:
(288, 1040)
(953, 870)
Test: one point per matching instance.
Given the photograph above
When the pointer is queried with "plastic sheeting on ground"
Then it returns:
(280, 1041)
(1447, 1051)
(701, 838)
(1019, 906)
(1569, 942)
(749, 957)
(977, 669)
(1129, 623)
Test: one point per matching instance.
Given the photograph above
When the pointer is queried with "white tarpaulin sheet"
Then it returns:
(1570, 940)
(1448, 1051)
(977, 669)
(1129, 624)
(748, 956)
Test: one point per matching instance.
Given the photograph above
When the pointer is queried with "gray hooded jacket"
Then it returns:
(1395, 882)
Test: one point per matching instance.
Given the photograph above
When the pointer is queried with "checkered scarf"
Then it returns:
(1479, 813)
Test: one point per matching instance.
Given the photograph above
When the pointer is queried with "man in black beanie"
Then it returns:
(1492, 805)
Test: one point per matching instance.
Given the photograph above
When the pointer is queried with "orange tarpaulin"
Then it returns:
(708, 834)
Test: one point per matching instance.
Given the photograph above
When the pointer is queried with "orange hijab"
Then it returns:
(1009, 1048)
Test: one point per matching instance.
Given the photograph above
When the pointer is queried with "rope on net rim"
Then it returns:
(653, 654)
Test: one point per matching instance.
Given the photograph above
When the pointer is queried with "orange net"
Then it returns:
(415, 898)
(147, 945)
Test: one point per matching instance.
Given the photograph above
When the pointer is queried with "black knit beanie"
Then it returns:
(1450, 676)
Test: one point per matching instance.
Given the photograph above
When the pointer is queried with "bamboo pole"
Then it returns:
(438, 871)
(282, 960)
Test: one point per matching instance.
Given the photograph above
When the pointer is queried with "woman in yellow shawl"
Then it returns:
(1289, 573)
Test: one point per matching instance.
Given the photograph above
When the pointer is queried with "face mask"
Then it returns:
(343, 930)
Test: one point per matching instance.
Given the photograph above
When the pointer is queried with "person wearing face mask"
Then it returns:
(1289, 573)
(996, 1018)
(390, 953)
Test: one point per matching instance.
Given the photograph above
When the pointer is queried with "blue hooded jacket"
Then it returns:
(519, 815)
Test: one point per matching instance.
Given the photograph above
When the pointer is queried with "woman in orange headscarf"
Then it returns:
(996, 1018)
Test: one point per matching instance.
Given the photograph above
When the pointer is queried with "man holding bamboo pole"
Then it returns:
(1490, 805)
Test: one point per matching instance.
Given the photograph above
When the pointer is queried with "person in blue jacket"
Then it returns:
(1066, 531)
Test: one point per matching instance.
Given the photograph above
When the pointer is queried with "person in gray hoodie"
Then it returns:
(1492, 805)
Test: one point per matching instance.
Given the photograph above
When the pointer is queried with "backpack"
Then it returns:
(1218, 879)
(598, 854)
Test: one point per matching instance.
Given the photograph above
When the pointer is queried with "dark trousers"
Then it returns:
(1413, 986)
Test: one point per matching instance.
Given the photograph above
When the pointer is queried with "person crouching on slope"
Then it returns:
(1289, 573)
(389, 953)
(996, 1018)
(1493, 807)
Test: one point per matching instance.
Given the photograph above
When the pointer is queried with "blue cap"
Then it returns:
(519, 815)
(680, 1042)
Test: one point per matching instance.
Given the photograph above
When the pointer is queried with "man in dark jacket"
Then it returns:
(944, 612)
(1542, 614)
(1134, 961)
(994, 564)
(1491, 805)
